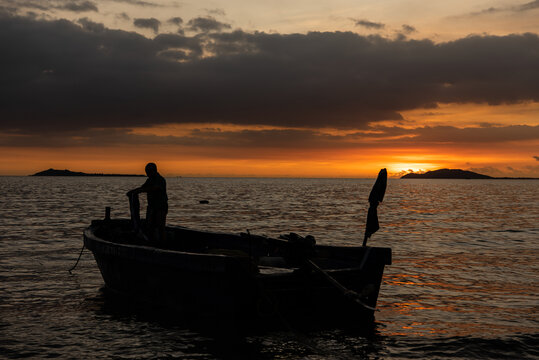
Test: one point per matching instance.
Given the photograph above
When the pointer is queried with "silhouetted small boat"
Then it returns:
(242, 277)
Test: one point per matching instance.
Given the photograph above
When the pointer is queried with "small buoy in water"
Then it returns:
(204, 202)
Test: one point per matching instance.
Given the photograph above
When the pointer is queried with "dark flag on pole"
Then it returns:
(376, 197)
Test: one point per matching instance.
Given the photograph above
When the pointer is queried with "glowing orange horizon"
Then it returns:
(182, 161)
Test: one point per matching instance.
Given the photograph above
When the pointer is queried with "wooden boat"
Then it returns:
(242, 278)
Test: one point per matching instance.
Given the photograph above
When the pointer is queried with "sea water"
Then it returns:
(464, 282)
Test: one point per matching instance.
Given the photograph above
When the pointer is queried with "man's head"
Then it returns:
(151, 169)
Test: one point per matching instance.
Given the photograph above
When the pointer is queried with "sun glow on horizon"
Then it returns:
(176, 160)
(397, 170)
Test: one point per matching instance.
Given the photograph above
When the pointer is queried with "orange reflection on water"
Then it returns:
(417, 328)
(401, 279)
(406, 308)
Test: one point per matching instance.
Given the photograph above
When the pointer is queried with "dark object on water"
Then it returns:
(447, 174)
(244, 279)
(376, 197)
(204, 202)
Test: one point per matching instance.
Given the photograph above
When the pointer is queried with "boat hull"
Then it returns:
(233, 288)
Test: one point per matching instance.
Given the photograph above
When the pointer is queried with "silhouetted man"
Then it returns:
(156, 212)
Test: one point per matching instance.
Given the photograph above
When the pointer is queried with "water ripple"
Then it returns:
(464, 281)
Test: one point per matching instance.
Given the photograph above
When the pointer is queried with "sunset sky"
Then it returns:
(318, 88)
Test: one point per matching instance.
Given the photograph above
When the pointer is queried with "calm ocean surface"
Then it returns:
(464, 281)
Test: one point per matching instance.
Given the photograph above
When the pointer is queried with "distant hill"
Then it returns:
(54, 172)
(447, 174)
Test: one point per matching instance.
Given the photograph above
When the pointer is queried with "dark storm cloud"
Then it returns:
(490, 10)
(381, 137)
(515, 8)
(14, 5)
(138, 3)
(369, 24)
(7, 10)
(175, 20)
(172, 42)
(44, 5)
(292, 138)
(408, 29)
(196, 138)
(123, 16)
(528, 6)
(59, 75)
(206, 24)
(453, 135)
(150, 23)
(90, 25)
(78, 6)
(219, 12)
(178, 21)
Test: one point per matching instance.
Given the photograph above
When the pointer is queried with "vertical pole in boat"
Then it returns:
(376, 196)
(250, 245)
(107, 213)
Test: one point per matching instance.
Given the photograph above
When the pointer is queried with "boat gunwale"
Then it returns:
(89, 233)
(183, 261)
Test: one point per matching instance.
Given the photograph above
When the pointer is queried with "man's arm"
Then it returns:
(135, 191)
(146, 187)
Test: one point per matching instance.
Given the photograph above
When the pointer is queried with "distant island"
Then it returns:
(54, 172)
(447, 174)
(454, 174)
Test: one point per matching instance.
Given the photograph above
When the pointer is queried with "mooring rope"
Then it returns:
(74, 266)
